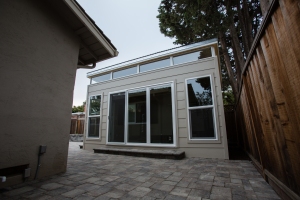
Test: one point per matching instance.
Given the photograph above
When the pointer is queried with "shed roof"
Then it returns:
(95, 46)
(157, 55)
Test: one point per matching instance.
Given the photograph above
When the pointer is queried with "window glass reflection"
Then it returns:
(101, 78)
(204, 53)
(199, 92)
(155, 65)
(125, 72)
(95, 102)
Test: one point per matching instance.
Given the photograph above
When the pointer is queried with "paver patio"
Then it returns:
(105, 176)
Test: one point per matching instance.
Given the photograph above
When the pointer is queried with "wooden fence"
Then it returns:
(77, 124)
(268, 108)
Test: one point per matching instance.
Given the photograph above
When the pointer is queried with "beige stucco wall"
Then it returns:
(178, 74)
(38, 60)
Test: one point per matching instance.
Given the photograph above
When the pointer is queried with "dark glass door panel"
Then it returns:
(116, 117)
(137, 117)
(161, 115)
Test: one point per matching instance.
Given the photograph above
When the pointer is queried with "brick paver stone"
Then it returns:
(163, 187)
(179, 191)
(139, 191)
(194, 198)
(92, 180)
(88, 187)
(106, 176)
(157, 194)
(199, 193)
(169, 183)
(51, 186)
(173, 197)
(73, 193)
(99, 191)
(83, 197)
(115, 193)
(102, 197)
(19, 191)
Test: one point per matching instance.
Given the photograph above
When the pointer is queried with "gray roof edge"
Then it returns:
(95, 24)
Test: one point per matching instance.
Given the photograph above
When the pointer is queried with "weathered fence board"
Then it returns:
(268, 108)
(77, 124)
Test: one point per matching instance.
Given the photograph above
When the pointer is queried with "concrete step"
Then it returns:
(163, 154)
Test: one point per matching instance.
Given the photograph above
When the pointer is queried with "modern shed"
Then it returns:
(167, 100)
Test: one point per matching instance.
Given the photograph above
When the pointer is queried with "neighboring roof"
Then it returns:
(95, 46)
(157, 55)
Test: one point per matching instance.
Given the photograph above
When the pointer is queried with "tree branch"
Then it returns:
(237, 52)
(228, 64)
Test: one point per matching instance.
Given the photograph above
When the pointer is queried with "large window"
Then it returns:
(155, 65)
(101, 78)
(204, 53)
(142, 116)
(94, 116)
(201, 108)
(125, 72)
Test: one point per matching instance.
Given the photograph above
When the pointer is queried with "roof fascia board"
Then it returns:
(90, 75)
(90, 26)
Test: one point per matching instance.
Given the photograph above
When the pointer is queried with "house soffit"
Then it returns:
(95, 46)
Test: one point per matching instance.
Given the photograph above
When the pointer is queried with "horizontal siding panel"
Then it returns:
(180, 87)
(181, 114)
(180, 96)
(182, 123)
(103, 125)
(183, 132)
(181, 104)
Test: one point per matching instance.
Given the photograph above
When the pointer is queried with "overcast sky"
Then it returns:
(132, 27)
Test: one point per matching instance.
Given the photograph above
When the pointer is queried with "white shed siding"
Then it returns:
(176, 74)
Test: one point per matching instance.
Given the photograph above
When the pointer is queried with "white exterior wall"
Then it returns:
(177, 74)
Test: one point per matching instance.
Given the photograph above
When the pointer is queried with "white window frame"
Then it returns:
(213, 106)
(147, 88)
(90, 116)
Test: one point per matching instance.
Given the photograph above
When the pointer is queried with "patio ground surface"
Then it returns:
(104, 176)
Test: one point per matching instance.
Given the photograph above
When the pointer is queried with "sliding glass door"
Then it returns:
(142, 116)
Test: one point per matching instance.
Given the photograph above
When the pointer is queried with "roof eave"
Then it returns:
(94, 30)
